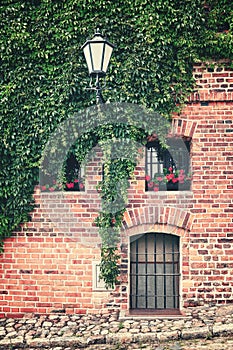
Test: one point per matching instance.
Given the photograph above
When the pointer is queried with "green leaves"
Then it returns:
(109, 270)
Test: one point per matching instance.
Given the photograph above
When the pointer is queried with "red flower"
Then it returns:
(147, 177)
(159, 178)
(76, 180)
(43, 188)
(70, 185)
(113, 221)
(170, 169)
(81, 186)
(51, 189)
(181, 179)
(156, 188)
(151, 184)
(170, 177)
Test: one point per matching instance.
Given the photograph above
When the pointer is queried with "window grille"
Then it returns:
(154, 165)
(154, 272)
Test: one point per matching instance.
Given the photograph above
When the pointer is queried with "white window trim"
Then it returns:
(98, 284)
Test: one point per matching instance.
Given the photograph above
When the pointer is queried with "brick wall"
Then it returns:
(211, 237)
(47, 265)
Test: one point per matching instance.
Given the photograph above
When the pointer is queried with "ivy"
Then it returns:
(43, 83)
(113, 191)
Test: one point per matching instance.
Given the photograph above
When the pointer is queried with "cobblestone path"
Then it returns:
(218, 343)
(213, 344)
(107, 332)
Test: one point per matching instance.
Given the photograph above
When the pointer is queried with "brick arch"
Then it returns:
(183, 127)
(161, 219)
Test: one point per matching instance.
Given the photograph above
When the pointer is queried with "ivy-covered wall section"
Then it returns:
(44, 76)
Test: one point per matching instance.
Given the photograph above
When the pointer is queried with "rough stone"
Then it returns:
(224, 310)
(11, 334)
(201, 332)
(134, 330)
(223, 328)
(118, 338)
(168, 336)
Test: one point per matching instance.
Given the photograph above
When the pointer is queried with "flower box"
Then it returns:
(170, 180)
(75, 185)
(172, 186)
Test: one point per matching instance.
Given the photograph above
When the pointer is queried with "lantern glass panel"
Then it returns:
(97, 55)
(107, 56)
(87, 55)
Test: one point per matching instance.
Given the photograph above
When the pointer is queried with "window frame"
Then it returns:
(175, 310)
(157, 158)
(98, 284)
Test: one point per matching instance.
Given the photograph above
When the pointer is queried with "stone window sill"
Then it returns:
(153, 314)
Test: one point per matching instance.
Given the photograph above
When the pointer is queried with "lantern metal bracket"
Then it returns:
(98, 88)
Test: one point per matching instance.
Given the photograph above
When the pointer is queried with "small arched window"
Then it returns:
(72, 179)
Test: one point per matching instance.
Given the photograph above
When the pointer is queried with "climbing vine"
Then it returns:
(113, 190)
(44, 78)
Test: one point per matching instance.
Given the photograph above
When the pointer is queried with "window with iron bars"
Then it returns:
(154, 272)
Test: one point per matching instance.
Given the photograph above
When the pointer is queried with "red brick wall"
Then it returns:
(47, 265)
(211, 237)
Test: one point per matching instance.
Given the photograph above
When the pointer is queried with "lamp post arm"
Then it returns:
(99, 97)
(98, 89)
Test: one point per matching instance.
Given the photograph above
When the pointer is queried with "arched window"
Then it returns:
(73, 176)
(168, 168)
(154, 272)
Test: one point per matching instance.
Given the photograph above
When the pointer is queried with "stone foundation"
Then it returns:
(60, 331)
